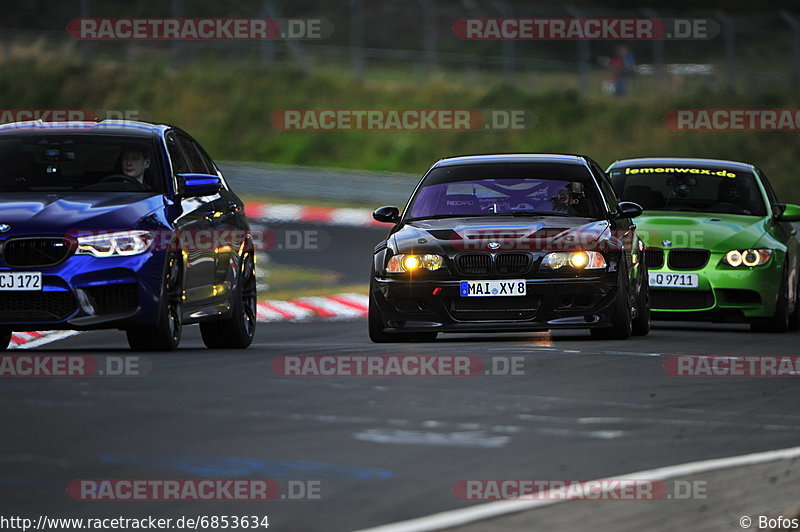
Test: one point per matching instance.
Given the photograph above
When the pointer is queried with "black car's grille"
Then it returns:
(494, 308)
(500, 264)
(507, 263)
(35, 252)
(474, 264)
(680, 299)
(688, 259)
(36, 306)
(113, 298)
(654, 257)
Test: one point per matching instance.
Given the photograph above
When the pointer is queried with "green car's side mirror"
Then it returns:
(790, 214)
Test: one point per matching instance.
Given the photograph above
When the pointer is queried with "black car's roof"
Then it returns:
(512, 158)
(105, 127)
(690, 162)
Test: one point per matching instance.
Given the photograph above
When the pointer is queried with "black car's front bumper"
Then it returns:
(549, 303)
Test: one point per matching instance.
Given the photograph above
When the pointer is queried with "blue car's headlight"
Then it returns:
(119, 243)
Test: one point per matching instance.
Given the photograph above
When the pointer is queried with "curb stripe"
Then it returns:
(290, 212)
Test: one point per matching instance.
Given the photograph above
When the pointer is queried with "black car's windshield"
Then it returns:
(63, 162)
(690, 189)
(547, 189)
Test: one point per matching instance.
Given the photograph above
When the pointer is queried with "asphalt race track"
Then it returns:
(381, 449)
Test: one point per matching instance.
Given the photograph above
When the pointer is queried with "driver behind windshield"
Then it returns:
(135, 162)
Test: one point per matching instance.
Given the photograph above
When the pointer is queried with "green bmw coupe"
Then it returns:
(720, 245)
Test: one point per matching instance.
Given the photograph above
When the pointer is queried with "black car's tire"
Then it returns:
(780, 321)
(378, 336)
(641, 323)
(166, 335)
(621, 322)
(236, 331)
(5, 339)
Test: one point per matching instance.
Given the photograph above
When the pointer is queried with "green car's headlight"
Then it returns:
(579, 260)
(747, 257)
(409, 263)
(117, 244)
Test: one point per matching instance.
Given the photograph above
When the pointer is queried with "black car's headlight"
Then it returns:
(747, 257)
(574, 260)
(409, 263)
(116, 244)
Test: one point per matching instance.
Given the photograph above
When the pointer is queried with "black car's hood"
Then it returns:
(450, 235)
(62, 212)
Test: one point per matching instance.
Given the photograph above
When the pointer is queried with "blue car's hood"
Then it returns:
(62, 212)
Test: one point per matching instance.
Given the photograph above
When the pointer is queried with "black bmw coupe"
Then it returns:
(504, 243)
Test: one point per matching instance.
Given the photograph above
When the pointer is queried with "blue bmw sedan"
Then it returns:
(121, 225)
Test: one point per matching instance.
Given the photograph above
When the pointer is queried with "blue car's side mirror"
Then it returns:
(193, 185)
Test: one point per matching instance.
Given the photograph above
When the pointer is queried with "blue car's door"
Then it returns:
(195, 234)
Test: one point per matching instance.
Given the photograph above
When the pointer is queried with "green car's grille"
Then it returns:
(687, 259)
(654, 257)
(680, 299)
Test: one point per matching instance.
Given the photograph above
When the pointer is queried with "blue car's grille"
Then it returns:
(35, 252)
(19, 307)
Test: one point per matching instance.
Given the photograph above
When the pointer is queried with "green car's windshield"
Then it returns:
(690, 189)
(86, 163)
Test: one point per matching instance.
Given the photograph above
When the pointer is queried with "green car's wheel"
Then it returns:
(794, 318)
(780, 322)
(641, 323)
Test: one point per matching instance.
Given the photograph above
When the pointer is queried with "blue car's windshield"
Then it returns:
(507, 189)
(86, 163)
(689, 189)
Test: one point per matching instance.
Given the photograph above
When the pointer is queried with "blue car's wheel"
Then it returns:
(236, 331)
(166, 335)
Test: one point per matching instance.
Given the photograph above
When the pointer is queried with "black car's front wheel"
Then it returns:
(379, 336)
(236, 331)
(621, 323)
(166, 335)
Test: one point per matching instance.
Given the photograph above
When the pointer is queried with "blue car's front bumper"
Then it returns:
(86, 292)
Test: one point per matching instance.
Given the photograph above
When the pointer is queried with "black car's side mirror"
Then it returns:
(628, 209)
(388, 214)
(195, 185)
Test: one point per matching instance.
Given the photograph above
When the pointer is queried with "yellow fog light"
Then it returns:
(411, 262)
(579, 260)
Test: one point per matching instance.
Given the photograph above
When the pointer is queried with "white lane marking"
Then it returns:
(281, 212)
(449, 439)
(480, 512)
